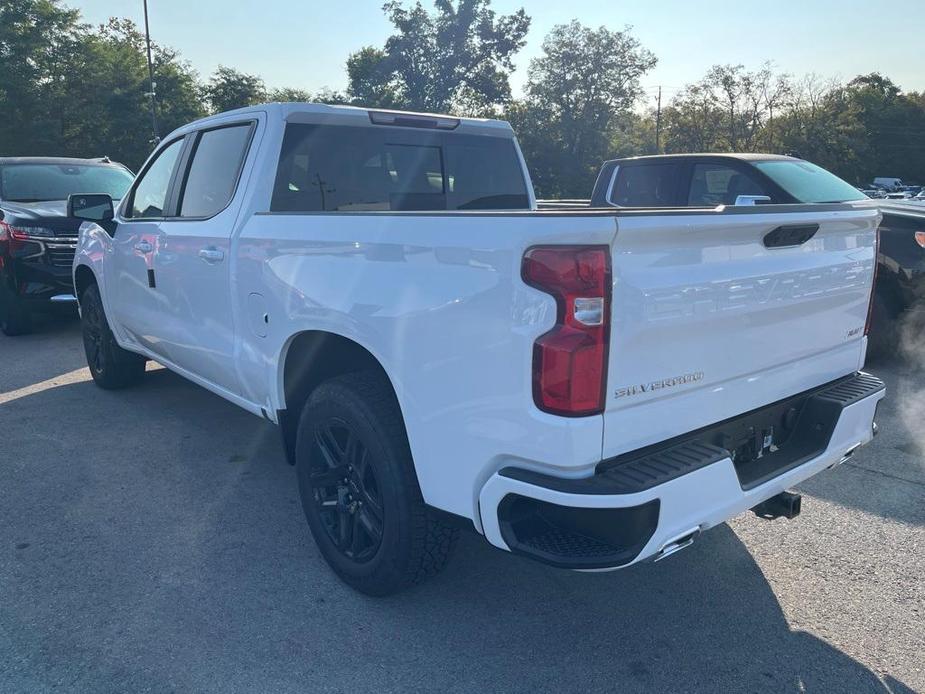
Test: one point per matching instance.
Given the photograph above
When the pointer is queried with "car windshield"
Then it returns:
(808, 182)
(39, 182)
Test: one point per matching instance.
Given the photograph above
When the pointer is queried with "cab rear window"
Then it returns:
(646, 185)
(326, 168)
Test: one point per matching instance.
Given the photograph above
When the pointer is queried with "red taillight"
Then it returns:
(873, 284)
(920, 238)
(570, 361)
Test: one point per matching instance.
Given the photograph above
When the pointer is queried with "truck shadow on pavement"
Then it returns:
(887, 477)
(154, 540)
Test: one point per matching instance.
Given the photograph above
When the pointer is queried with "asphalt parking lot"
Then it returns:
(152, 540)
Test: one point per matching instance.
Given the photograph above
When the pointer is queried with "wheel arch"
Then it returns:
(83, 278)
(308, 359)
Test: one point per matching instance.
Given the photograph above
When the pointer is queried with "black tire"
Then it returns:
(359, 490)
(15, 319)
(111, 366)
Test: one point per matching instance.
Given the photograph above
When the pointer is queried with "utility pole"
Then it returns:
(151, 94)
(658, 122)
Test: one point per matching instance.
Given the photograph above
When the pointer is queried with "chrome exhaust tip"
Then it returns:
(677, 543)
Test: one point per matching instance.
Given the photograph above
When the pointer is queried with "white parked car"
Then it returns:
(588, 388)
(888, 183)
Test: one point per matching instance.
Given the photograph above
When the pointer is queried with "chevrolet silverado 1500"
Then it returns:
(588, 388)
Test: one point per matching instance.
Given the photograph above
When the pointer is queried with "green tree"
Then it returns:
(368, 79)
(860, 130)
(108, 108)
(68, 90)
(894, 126)
(38, 43)
(289, 94)
(579, 93)
(633, 135)
(729, 110)
(820, 125)
(229, 89)
(458, 58)
(326, 95)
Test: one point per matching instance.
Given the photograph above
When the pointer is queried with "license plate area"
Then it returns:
(768, 441)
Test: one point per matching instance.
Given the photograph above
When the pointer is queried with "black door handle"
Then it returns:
(789, 236)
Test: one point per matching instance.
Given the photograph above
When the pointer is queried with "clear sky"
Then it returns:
(304, 43)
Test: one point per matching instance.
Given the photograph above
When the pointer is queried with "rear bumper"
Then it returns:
(649, 503)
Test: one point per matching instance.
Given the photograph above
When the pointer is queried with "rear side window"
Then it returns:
(351, 168)
(213, 174)
(150, 194)
(646, 185)
(718, 184)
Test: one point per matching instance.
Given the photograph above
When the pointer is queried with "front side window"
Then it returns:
(346, 168)
(41, 182)
(807, 182)
(213, 175)
(718, 184)
(646, 185)
(150, 193)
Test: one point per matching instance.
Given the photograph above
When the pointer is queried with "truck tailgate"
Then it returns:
(716, 314)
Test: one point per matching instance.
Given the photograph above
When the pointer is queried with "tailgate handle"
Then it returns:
(790, 235)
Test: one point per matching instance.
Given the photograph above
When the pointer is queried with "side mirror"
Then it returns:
(90, 207)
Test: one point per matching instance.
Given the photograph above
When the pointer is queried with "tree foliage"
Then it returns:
(229, 89)
(728, 110)
(108, 105)
(70, 89)
(579, 93)
(455, 59)
(865, 128)
(289, 94)
(39, 41)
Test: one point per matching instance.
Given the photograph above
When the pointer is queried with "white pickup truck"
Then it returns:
(588, 388)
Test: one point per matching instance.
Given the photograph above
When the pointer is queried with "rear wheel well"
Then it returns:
(83, 278)
(314, 357)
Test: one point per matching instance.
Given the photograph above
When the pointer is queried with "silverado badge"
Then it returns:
(658, 385)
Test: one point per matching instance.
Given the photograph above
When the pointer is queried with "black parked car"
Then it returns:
(900, 272)
(37, 238)
(708, 180)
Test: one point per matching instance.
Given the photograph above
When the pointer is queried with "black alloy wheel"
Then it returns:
(359, 489)
(110, 366)
(92, 327)
(346, 490)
